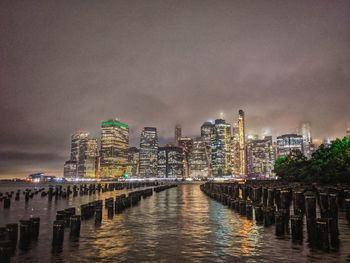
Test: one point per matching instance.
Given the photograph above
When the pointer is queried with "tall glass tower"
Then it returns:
(148, 152)
(114, 145)
(221, 148)
(242, 148)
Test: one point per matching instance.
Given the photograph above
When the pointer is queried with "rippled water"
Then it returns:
(177, 225)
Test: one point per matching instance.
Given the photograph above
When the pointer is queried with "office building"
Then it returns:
(221, 148)
(206, 131)
(198, 159)
(242, 149)
(260, 158)
(114, 145)
(70, 169)
(87, 158)
(288, 143)
(235, 153)
(82, 161)
(187, 145)
(133, 162)
(307, 140)
(148, 152)
(178, 133)
(170, 162)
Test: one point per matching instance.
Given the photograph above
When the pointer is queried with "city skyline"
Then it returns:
(68, 67)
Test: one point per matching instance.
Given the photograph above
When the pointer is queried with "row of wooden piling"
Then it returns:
(271, 203)
(28, 194)
(58, 192)
(27, 231)
(94, 209)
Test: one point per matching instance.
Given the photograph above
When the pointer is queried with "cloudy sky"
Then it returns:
(68, 65)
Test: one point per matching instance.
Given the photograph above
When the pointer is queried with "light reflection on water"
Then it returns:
(177, 225)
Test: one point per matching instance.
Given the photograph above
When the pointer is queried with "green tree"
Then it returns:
(291, 167)
(328, 165)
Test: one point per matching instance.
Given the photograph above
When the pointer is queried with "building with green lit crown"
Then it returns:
(114, 145)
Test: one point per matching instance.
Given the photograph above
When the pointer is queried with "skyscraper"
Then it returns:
(70, 169)
(114, 145)
(260, 157)
(242, 149)
(75, 145)
(87, 158)
(148, 152)
(307, 140)
(206, 131)
(187, 145)
(178, 133)
(133, 161)
(71, 166)
(221, 148)
(235, 152)
(287, 143)
(198, 159)
(170, 162)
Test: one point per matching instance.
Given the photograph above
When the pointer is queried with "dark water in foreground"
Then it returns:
(176, 225)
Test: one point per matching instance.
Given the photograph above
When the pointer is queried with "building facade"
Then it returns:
(187, 145)
(133, 161)
(307, 139)
(114, 145)
(83, 156)
(242, 148)
(87, 158)
(70, 169)
(198, 159)
(260, 158)
(170, 162)
(149, 152)
(287, 143)
(221, 148)
(206, 131)
(178, 133)
(235, 151)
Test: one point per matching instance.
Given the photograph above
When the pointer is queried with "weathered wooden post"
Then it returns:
(75, 223)
(297, 228)
(25, 233)
(58, 233)
(279, 223)
(35, 222)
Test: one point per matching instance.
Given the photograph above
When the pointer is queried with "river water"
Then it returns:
(177, 225)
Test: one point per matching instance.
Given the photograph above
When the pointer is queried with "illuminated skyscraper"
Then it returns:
(260, 157)
(133, 161)
(70, 169)
(75, 145)
(235, 153)
(206, 131)
(148, 152)
(307, 140)
(242, 149)
(83, 155)
(114, 145)
(71, 166)
(288, 143)
(198, 159)
(178, 133)
(221, 148)
(87, 158)
(187, 145)
(170, 162)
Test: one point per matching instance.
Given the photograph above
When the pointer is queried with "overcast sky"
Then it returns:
(68, 65)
